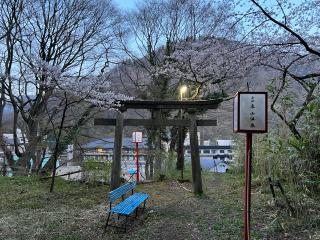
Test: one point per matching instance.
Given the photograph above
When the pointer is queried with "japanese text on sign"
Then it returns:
(137, 137)
(250, 112)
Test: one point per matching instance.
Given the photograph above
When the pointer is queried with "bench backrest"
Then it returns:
(117, 193)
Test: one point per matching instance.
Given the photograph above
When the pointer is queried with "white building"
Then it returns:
(225, 142)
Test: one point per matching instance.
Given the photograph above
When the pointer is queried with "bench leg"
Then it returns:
(144, 205)
(125, 224)
(107, 223)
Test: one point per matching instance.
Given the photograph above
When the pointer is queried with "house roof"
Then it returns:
(108, 143)
(214, 147)
(221, 156)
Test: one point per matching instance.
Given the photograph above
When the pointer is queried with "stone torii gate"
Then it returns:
(156, 106)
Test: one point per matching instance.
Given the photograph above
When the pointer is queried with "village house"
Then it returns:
(215, 158)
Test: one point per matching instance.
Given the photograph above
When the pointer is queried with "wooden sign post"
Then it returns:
(137, 138)
(250, 115)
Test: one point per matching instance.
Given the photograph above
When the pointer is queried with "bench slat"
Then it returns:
(130, 204)
(117, 193)
(132, 201)
(129, 208)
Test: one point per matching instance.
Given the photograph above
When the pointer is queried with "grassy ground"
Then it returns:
(77, 211)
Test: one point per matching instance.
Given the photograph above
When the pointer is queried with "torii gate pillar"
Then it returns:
(195, 156)
(116, 163)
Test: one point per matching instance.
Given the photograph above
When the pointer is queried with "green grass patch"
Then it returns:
(78, 211)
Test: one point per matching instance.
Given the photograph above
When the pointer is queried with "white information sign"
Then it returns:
(137, 137)
(250, 112)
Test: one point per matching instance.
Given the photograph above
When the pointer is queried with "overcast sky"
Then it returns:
(126, 4)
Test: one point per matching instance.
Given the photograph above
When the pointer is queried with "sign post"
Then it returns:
(250, 115)
(137, 138)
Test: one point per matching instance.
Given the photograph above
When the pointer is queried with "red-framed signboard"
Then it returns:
(250, 112)
(137, 137)
(250, 115)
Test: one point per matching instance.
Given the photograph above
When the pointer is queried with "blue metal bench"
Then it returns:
(128, 205)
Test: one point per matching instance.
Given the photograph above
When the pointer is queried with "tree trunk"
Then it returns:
(147, 168)
(30, 147)
(151, 167)
(37, 161)
(158, 148)
(57, 146)
(157, 156)
(43, 154)
(173, 140)
(180, 150)
(150, 154)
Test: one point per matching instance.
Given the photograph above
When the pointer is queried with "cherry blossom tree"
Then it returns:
(157, 28)
(71, 94)
(209, 65)
(8, 29)
(58, 55)
(287, 34)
